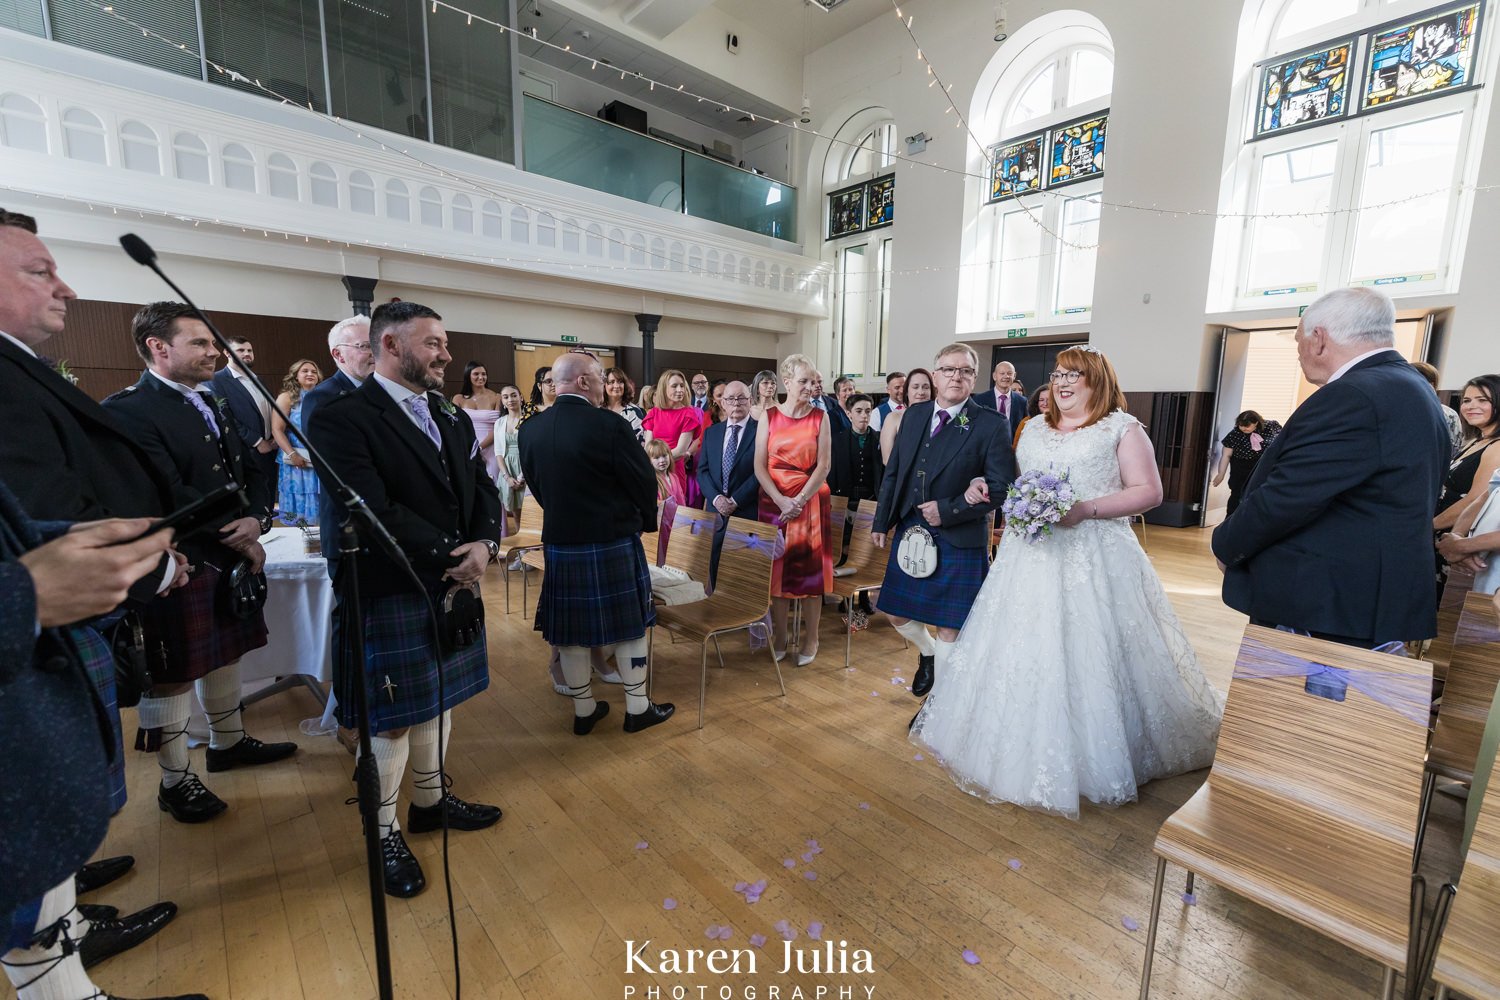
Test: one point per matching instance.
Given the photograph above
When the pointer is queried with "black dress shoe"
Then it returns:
(107, 938)
(635, 722)
(189, 802)
(95, 912)
(403, 875)
(922, 682)
(98, 874)
(248, 752)
(461, 815)
(584, 724)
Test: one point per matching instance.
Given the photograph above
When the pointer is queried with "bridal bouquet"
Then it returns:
(1036, 501)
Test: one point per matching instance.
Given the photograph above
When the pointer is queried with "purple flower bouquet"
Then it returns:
(1036, 501)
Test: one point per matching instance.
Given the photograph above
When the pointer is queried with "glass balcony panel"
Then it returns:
(721, 193)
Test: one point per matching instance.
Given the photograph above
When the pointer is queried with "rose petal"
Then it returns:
(724, 933)
(788, 863)
(786, 930)
(642, 845)
(757, 940)
(1190, 898)
(759, 886)
(918, 757)
(898, 681)
(812, 843)
(810, 876)
(815, 931)
(669, 903)
(970, 957)
(741, 886)
(1130, 923)
(874, 694)
(1015, 864)
(752, 898)
(864, 805)
(807, 857)
(712, 932)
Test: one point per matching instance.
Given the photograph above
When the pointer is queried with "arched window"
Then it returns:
(23, 124)
(324, 183)
(361, 193)
(397, 201)
(190, 157)
(870, 153)
(1352, 152)
(140, 147)
(83, 136)
(1043, 104)
(463, 214)
(281, 174)
(239, 167)
(430, 206)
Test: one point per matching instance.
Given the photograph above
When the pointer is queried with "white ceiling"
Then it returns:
(798, 23)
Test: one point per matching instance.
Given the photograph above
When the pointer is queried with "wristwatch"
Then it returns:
(265, 524)
(494, 548)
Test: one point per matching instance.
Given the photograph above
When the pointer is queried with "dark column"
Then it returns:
(361, 293)
(648, 325)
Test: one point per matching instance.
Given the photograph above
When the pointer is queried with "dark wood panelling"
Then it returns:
(1180, 425)
(715, 366)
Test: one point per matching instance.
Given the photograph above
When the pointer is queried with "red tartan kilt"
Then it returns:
(195, 636)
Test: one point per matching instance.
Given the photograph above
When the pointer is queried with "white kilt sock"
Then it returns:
(390, 760)
(940, 660)
(220, 693)
(427, 787)
(170, 715)
(53, 973)
(630, 656)
(916, 633)
(578, 672)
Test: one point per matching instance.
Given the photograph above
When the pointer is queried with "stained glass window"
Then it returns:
(846, 212)
(1016, 168)
(1078, 151)
(882, 202)
(1305, 89)
(1433, 54)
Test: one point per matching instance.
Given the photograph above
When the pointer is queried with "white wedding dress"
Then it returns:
(1071, 678)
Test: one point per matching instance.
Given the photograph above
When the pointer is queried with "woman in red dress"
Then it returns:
(792, 456)
(673, 421)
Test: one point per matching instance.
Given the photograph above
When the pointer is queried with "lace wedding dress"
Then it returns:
(1071, 678)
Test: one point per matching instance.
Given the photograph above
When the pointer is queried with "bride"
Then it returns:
(1071, 678)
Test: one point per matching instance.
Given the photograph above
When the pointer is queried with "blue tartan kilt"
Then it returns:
(99, 661)
(595, 594)
(197, 635)
(942, 599)
(401, 674)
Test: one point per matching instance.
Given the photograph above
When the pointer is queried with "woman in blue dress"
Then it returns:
(296, 482)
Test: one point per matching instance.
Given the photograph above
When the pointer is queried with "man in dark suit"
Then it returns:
(857, 468)
(1002, 398)
(190, 436)
(584, 467)
(700, 397)
(413, 457)
(349, 344)
(1334, 535)
(942, 446)
(726, 467)
(252, 414)
(56, 734)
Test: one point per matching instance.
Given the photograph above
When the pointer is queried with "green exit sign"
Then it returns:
(1013, 334)
(569, 340)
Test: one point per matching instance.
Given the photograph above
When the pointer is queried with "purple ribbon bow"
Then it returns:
(1408, 695)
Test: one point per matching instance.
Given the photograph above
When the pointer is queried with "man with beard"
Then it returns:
(252, 413)
(399, 444)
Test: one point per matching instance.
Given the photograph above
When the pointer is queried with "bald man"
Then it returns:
(1003, 398)
(726, 466)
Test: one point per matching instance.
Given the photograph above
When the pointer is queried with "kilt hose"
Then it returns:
(595, 594)
(401, 671)
(195, 635)
(942, 599)
(99, 661)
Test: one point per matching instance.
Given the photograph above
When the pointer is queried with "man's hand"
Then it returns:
(978, 491)
(256, 553)
(724, 505)
(475, 557)
(880, 538)
(239, 533)
(182, 572)
(929, 511)
(88, 571)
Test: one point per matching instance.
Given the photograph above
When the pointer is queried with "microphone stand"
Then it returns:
(356, 511)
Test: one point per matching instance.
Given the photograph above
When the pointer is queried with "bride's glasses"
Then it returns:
(1064, 378)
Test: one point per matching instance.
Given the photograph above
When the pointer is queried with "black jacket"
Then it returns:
(843, 473)
(977, 443)
(329, 513)
(430, 500)
(1016, 408)
(743, 488)
(591, 476)
(247, 417)
(1334, 534)
(190, 459)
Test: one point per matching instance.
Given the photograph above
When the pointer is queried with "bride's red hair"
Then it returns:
(1105, 394)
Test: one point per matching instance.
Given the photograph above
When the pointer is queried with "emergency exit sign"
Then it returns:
(1013, 334)
(569, 340)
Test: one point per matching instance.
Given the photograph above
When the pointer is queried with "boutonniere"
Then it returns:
(962, 421)
(220, 403)
(449, 410)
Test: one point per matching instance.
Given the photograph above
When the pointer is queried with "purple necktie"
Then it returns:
(204, 410)
(418, 404)
(1002, 403)
(943, 417)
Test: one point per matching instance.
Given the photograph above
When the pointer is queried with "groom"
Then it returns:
(942, 445)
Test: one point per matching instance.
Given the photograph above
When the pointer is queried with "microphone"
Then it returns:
(140, 251)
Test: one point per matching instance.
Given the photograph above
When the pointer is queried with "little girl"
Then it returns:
(661, 461)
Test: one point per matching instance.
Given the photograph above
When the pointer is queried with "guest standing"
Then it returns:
(843, 389)
(857, 463)
(481, 404)
(296, 482)
(1334, 535)
(1476, 461)
(1003, 397)
(726, 474)
(918, 389)
(793, 448)
(668, 487)
(251, 413)
(1455, 422)
(619, 397)
(1036, 406)
(837, 418)
(1243, 448)
(700, 393)
(681, 426)
(543, 393)
(508, 476)
(716, 400)
(895, 388)
(349, 346)
(764, 390)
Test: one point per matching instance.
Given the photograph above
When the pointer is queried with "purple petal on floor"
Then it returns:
(752, 898)
(812, 843)
(815, 930)
(788, 863)
(741, 886)
(786, 930)
(1190, 898)
(759, 886)
(898, 681)
(757, 940)
(918, 757)
(807, 857)
(1015, 864)
(970, 958)
(641, 845)
(848, 670)
(1130, 923)
(810, 876)
(874, 694)
(864, 805)
(712, 932)
(669, 903)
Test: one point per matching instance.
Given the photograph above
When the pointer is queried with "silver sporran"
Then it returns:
(917, 552)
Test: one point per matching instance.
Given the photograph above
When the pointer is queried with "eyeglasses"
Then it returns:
(1067, 378)
(363, 345)
(950, 372)
(734, 399)
(547, 381)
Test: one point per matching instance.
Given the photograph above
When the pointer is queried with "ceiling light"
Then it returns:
(826, 4)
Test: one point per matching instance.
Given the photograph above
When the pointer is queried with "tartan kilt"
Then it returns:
(595, 594)
(400, 648)
(942, 599)
(99, 662)
(198, 637)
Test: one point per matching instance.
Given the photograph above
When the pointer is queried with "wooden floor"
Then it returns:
(274, 902)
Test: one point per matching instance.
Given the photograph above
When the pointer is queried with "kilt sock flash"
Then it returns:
(630, 655)
(427, 786)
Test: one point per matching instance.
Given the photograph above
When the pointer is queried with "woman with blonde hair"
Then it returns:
(296, 481)
(680, 425)
(793, 452)
(1072, 678)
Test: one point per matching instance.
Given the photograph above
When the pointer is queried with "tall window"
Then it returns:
(1355, 142)
(861, 206)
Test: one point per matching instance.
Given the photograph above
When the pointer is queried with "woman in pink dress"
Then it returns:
(680, 426)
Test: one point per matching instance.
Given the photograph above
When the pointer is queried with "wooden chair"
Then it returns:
(527, 539)
(1310, 809)
(690, 542)
(1467, 959)
(741, 598)
(1468, 693)
(1450, 606)
(868, 564)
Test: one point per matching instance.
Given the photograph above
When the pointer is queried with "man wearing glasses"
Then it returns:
(726, 470)
(349, 344)
(700, 392)
(943, 444)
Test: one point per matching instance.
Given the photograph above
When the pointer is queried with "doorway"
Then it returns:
(531, 356)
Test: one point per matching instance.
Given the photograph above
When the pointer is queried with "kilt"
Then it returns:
(197, 637)
(595, 594)
(401, 673)
(99, 661)
(942, 599)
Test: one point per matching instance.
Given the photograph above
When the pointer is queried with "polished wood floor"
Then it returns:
(274, 903)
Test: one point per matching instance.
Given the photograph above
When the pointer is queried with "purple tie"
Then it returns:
(419, 406)
(204, 410)
(943, 417)
(1002, 403)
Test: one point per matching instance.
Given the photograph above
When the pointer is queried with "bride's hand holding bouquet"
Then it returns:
(1039, 501)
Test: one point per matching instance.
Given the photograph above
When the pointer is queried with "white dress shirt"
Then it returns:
(260, 404)
(401, 394)
(743, 426)
(952, 411)
(186, 390)
(1354, 361)
(22, 346)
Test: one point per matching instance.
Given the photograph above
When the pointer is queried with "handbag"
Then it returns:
(242, 593)
(460, 617)
(127, 645)
(917, 552)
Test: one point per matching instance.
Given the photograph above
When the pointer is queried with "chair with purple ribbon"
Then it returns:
(1310, 809)
(740, 599)
(1468, 693)
(690, 542)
